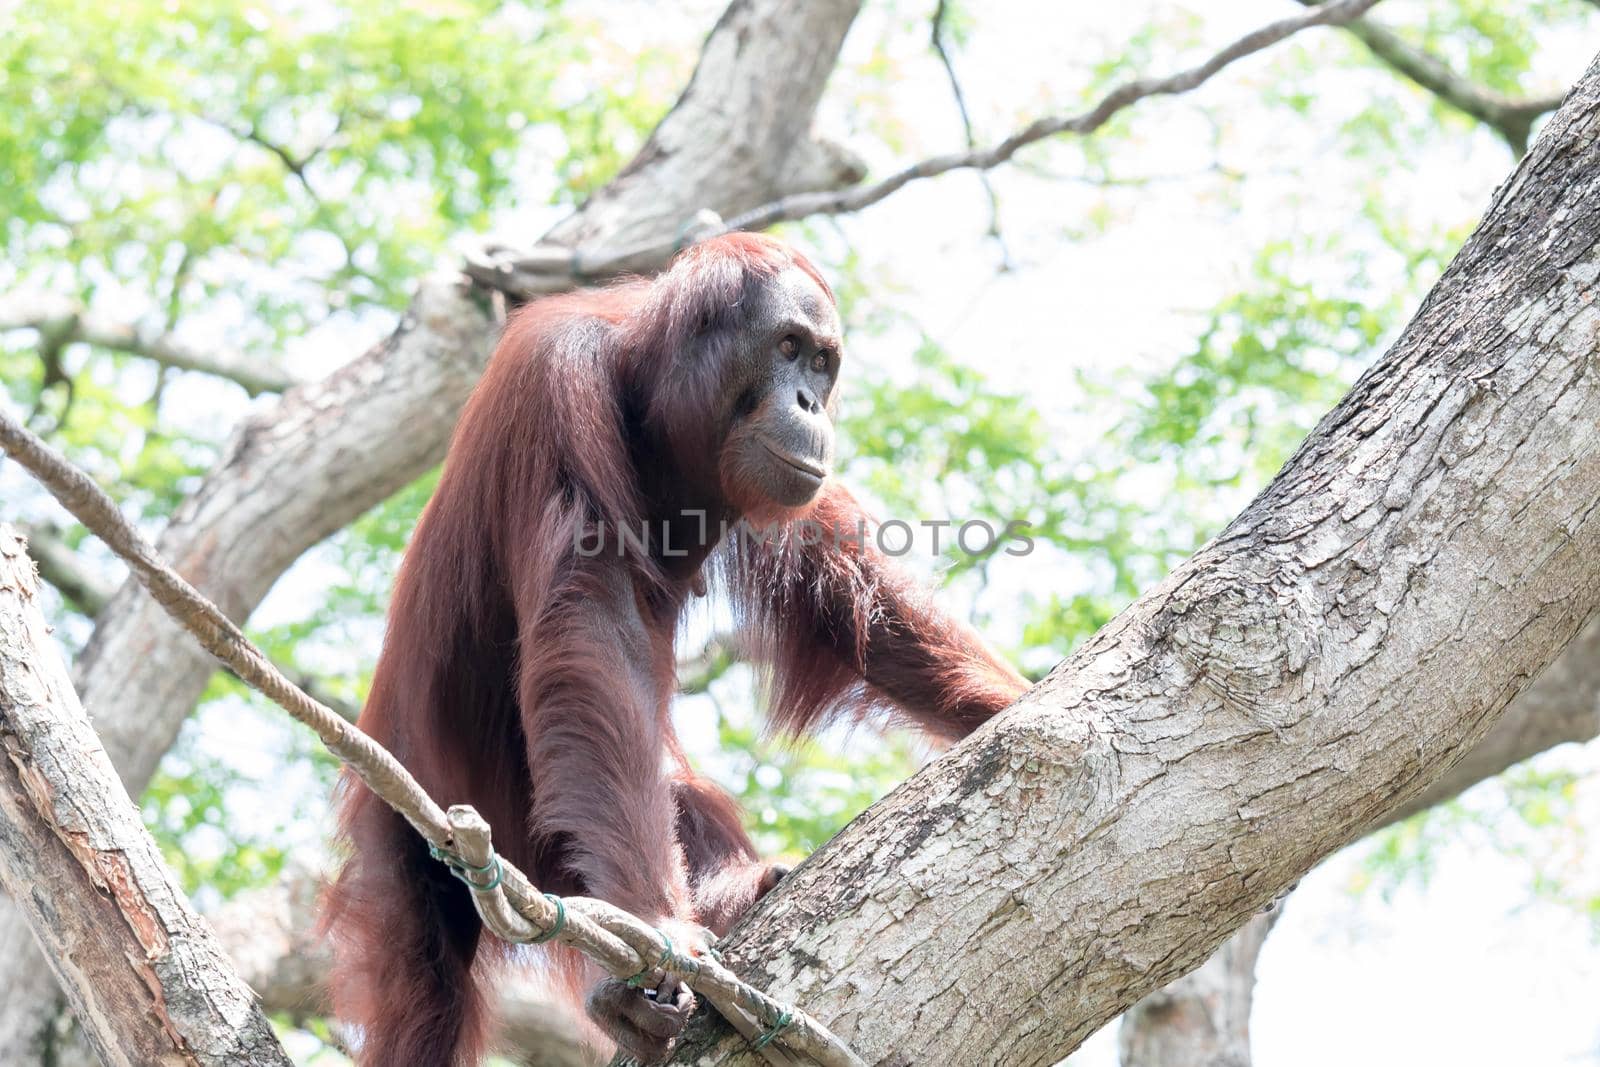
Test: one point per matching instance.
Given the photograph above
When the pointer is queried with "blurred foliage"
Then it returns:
(252, 172)
(799, 794)
(185, 808)
(267, 175)
(191, 806)
(1493, 45)
(1529, 812)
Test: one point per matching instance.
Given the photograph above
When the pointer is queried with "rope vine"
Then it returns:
(509, 904)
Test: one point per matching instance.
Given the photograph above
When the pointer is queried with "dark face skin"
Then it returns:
(778, 443)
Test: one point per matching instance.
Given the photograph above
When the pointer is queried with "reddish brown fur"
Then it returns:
(534, 683)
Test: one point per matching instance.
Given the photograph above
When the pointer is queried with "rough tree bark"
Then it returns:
(1203, 1018)
(1426, 552)
(147, 978)
(1561, 706)
(327, 451)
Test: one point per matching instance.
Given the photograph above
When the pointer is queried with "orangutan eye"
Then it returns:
(789, 346)
(819, 362)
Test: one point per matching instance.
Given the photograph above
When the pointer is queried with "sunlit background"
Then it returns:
(1117, 339)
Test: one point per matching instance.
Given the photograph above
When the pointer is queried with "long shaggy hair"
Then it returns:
(588, 413)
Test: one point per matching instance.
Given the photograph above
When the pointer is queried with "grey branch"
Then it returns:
(1561, 707)
(1124, 96)
(941, 13)
(1204, 1017)
(147, 979)
(62, 321)
(553, 269)
(1510, 117)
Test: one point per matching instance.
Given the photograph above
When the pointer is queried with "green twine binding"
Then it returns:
(561, 921)
(456, 863)
(785, 1017)
(460, 867)
(493, 883)
(659, 965)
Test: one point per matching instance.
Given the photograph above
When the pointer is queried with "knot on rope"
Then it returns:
(464, 870)
(663, 963)
(557, 926)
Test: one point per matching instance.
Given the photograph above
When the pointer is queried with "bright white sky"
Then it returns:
(1470, 971)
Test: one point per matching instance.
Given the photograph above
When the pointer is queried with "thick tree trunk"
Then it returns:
(1203, 1017)
(145, 975)
(330, 450)
(1561, 706)
(1426, 552)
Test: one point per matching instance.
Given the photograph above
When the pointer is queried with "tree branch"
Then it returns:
(1511, 118)
(64, 322)
(1203, 1018)
(1562, 706)
(554, 269)
(1124, 96)
(145, 975)
(1314, 668)
(936, 34)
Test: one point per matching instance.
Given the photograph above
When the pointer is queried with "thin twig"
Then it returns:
(937, 40)
(547, 269)
(621, 943)
(1125, 95)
